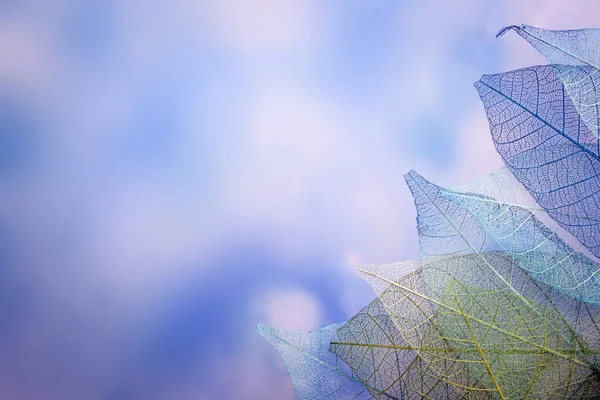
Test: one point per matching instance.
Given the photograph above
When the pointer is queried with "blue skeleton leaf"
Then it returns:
(316, 372)
(450, 229)
(533, 246)
(545, 144)
(575, 56)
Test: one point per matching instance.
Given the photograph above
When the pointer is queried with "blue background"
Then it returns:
(174, 172)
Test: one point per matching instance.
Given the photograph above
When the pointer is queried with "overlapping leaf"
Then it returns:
(506, 304)
(447, 229)
(547, 147)
(566, 49)
(316, 372)
(482, 338)
(533, 246)
(378, 354)
(414, 315)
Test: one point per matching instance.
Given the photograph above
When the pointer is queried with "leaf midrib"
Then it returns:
(482, 322)
(535, 115)
(455, 349)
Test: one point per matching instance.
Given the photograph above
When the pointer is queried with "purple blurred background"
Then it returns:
(174, 172)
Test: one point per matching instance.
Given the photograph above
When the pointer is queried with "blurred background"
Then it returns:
(174, 172)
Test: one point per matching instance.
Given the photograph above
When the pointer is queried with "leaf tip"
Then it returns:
(415, 182)
(508, 28)
(260, 328)
(410, 177)
(365, 271)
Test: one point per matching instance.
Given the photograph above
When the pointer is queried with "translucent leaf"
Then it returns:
(446, 229)
(547, 147)
(500, 340)
(565, 49)
(373, 347)
(413, 314)
(316, 372)
(529, 242)
(502, 186)
(482, 338)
